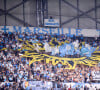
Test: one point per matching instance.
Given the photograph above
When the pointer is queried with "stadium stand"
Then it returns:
(17, 72)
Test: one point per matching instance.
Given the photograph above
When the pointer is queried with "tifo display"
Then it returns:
(55, 61)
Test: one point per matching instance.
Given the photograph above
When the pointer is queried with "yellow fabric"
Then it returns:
(3, 49)
(71, 62)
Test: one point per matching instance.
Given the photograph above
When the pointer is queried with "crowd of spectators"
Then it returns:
(43, 71)
(14, 70)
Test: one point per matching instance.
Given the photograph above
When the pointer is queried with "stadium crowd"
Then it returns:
(14, 70)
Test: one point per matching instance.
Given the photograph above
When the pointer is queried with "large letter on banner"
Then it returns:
(36, 30)
(99, 32)
(27, 30)
(17, 29)
(62, 31)
(78, 31)
(44, 30)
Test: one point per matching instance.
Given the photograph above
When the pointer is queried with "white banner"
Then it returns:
(49, 85)
(39, 30)
(96, 75)
(51, 22)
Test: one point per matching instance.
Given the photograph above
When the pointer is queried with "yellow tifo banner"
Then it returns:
(3, 49)
(70, 62)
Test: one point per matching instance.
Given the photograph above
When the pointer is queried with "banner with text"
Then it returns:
(51, 22)
(58, 31)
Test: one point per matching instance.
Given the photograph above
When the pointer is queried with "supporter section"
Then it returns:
(14, 69)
